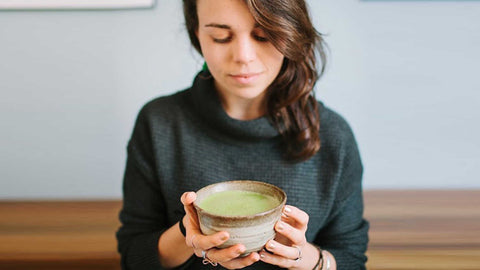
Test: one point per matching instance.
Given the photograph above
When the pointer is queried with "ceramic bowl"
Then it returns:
(253, 231)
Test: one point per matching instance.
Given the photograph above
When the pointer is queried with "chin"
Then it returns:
(247, 93)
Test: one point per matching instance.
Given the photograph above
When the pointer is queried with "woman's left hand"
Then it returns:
(290, 242)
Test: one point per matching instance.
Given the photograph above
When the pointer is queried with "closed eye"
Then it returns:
(260, 38)
(222, 40)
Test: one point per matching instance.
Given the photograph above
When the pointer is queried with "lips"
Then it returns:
(245, 78)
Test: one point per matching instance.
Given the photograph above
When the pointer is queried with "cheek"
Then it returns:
(215, 60)
(279, 61)
(273, 58)
(277, 57)
(275, 62)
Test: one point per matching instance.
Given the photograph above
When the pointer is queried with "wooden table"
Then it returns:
(424, 229)
(409, 230)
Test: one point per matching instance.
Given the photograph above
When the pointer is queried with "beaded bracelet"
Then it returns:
(182, 228)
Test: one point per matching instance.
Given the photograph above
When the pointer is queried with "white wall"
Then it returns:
(72, 83)
(406, 76)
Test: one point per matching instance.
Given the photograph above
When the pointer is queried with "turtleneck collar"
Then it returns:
(207, 103)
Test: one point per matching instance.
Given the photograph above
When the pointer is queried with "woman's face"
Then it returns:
(242, 61)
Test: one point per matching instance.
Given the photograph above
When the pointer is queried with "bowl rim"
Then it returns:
(264, 213)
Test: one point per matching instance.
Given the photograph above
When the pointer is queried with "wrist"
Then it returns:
(326, 261)
(310, 258)
(319, 263)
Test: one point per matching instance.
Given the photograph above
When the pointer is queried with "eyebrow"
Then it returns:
(217, 25)
(224, 26)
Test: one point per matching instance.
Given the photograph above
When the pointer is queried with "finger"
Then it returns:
(225, 254)
(191, 220)
(296, 236)
(277, 260)
(295, 216)
(205, 242)
(242, 262)
(290, 252)
(282, 239)
(188, 198)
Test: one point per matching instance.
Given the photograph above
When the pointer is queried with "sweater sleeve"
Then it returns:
(346, 235)
(143, 213)
(346, 232)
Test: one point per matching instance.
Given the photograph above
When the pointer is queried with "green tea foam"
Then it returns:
(238, 203)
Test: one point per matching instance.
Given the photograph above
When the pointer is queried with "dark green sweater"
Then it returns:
(185, 141)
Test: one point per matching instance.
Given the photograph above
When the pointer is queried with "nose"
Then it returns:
(244, 50)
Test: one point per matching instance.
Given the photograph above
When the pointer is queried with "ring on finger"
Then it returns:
(206, 260)
(299, 257)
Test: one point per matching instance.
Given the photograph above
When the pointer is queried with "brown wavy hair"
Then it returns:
(290, 100)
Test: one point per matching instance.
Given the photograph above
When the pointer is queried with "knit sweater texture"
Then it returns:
(186, 141)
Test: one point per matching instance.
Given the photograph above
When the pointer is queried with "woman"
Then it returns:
(250, 115)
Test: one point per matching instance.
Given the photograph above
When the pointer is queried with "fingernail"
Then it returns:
(287, 209)
(271, 245)
(262, 255)
(240, 249)
(224, 237)
(280, 226)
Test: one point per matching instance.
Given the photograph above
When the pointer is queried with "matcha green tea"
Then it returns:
(238, 203)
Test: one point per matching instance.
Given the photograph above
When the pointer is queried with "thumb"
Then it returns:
(188, 198)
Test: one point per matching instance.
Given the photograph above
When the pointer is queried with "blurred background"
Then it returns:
(403, 73)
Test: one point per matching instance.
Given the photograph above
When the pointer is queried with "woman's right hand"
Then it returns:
(205, 246)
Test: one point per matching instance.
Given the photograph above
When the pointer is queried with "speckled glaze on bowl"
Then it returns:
(252, 231)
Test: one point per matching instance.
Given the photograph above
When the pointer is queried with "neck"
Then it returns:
(207, 102)
(243, 109)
